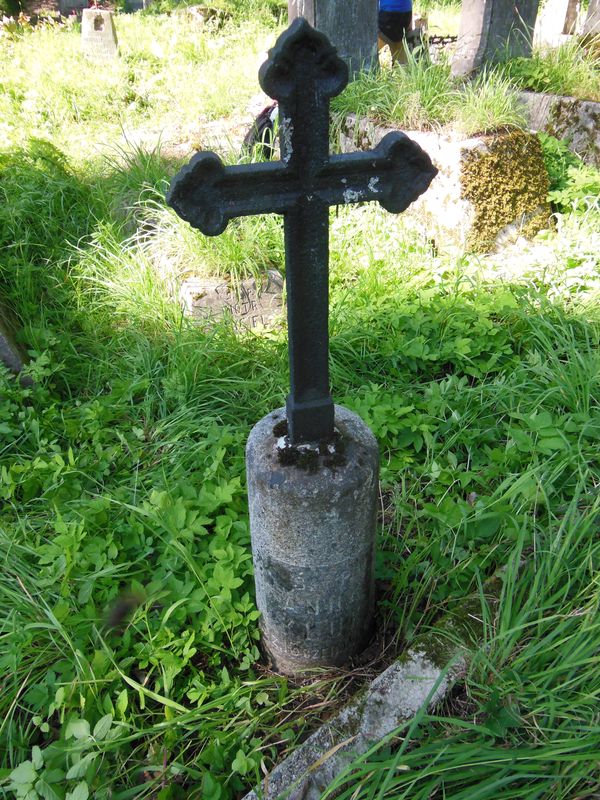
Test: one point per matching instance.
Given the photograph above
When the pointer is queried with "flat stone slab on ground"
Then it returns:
(419, 679)
(253, 303)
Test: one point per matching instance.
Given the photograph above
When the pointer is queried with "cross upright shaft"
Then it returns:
(303, 72)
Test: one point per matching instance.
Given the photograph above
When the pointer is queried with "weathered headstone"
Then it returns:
(591, 26)
(312, 468)
(251, 303)
(555, 22)
(98, 34)
(492, 31)
(350, 26)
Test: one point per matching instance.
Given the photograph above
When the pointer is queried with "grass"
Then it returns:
(423, 95)
(570, 70)
(129, 664)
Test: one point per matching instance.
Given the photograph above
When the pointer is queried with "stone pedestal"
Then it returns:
(351, 27)
(312, 522)
(98, 34)
(492, 31)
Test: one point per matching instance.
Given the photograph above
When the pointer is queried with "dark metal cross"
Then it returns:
(303, 72)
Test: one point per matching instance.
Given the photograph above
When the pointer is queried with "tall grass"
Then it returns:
(423, 94)
(570, 70)
(417, 95)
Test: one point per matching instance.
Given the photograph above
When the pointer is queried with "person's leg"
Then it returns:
(393, 27)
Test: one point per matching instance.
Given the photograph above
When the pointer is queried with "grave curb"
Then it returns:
(418, 680)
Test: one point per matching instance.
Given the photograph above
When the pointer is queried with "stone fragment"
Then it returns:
(253, 303)
(489, 189)
(492, 31)
(98, 34)
(577, 121)
(419, 679)
(10, 354)
(312, 523)
(350, 27)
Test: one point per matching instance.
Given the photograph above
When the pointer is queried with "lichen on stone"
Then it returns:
(506, 182)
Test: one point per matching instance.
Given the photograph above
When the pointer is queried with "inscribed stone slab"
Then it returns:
(98, 34)
(253, 303)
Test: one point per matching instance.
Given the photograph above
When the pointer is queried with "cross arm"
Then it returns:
(394, 173)
(207, 194)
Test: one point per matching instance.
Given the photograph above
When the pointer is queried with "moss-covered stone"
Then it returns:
(505, 181)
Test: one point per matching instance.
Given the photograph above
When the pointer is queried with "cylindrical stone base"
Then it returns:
(312, 524)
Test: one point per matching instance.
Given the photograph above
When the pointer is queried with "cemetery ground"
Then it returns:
(129, 661)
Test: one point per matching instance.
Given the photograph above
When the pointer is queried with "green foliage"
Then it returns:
(416, 95)
(574, 186)
(488, 102)
(423, 94)
(569, 70)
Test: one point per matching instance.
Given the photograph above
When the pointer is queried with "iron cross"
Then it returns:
(303, 72)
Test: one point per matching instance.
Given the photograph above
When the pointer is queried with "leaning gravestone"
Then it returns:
(251, 303)
(350, 27)
(312, 468)
(98, 34)
(492, 31)
(9, 353)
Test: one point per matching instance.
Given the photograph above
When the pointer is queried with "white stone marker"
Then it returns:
(98, 34)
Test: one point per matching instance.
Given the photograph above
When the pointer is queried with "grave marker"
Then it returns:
(98, 34)
(253, 303)
(591, 26)
(556, 21)
(312, 468)
(350, 27)
(493, 31)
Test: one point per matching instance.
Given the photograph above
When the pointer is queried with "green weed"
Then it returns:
(566, 70)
